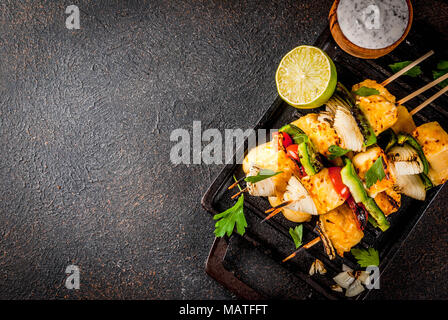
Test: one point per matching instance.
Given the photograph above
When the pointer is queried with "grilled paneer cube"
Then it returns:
(341, 228)
(434, 142)
(389, 201)
(320, 132)
(321, 189)
(405, 123)
(379, 112)
(362, 163)
(374, 85)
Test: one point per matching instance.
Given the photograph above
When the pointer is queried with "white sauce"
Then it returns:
(373, 24)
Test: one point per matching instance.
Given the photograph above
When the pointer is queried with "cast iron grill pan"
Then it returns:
(250, 265)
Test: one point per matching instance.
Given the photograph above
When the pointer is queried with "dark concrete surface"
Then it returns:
(85, 121)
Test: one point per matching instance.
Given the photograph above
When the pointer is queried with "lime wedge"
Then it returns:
(306, 77)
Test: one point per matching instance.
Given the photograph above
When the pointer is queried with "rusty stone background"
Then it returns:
(85, 121)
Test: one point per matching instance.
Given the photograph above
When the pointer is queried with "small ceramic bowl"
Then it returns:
(355, 50)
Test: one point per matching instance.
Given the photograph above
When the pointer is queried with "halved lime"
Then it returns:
(306, 77)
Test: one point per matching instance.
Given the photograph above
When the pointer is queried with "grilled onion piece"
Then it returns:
(405, 159)
(263, 188)
(302, 201)
(412, 186)
(348, 130)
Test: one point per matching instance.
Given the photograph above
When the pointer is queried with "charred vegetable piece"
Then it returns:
(339, 186)
(387, 140)
(307, 156)
(354, 127)
(366, 129)
(406, 159)
(412, 186)
(296, 134)
(299, 197)
(376, 213)
(360, 213)
(426, 181)
(406, 138)
(347, 128)
(353, 182)
(281, 139)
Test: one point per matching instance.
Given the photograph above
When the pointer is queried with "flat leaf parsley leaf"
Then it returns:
(296, 235)
(437, 74)
(375, 173)
(365, 258)
(229, 218)
(442, 65)
(365, 92)
(413, 72)
(262, 174)
(336, 151)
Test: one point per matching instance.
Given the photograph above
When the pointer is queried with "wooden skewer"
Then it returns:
(428, 101)
(305, 246)
(423, 89)
(272, 214)
(281, 205)
(407, 68)
(239, 192)
(236, 183)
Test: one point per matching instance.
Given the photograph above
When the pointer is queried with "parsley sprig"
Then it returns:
(375, 173)
(366, 257)
(296, 235)
(413, 72)
(366, 91)
(336, 151)
(230, 218)
(262, 175)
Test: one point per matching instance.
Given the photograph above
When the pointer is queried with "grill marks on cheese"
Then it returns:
(340, 226)
(321, 133)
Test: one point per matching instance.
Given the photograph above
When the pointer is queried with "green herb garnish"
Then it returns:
(442, 65)
(413, 72)
(365, 258)
(437, 74)
(229, 218)
(296, 235)
(366, 91)
(375, 173)
(262, 175)
(336, 151)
